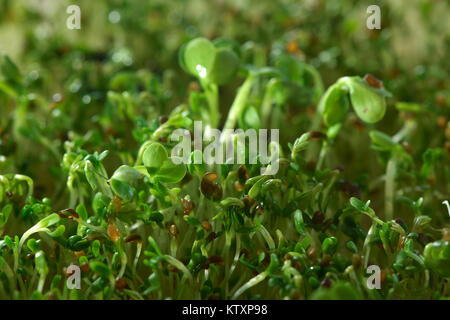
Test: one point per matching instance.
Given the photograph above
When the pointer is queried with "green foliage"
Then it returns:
(88, 176)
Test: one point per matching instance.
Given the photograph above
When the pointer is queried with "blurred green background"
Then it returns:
(332, 35)
(69, 72)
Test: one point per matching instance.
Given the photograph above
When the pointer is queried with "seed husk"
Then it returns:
(211, 189)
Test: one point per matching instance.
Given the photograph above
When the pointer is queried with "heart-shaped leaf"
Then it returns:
(225, 66)
(369, 105)
(198, 57)
(170, 171)
(210, 62)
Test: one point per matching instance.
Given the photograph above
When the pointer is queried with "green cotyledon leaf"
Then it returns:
(225, 66)
(123, 180)
(369, 104)
(198, 57)
(437, 257)
(154, 157)
(209, 62)
(171, 171)
(334, 105)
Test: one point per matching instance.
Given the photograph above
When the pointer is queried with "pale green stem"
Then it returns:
(212, 95)
(391, 172)
(239, 102)
(323, 153)
(250, 283)
(266, 106)
(267, 237)
(180, 266)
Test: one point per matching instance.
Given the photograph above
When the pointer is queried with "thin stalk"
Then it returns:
(239, 102)
(212, 95)
(367, 246)
(226, 252)
(322, 155)
(123, 259)
(250, 283)
(266, 106)
(389, 191)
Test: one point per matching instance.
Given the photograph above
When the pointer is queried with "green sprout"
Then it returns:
(90, 176)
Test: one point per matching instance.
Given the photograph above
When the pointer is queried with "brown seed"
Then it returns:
(95, 236)
(447, 146)
(29, 256)
(173, 230)
(340, 168)
(187, 205)
(113, 233)
(66, 273)
(52, 296)
(407, 147)
(68, 213)
(172, 269)
(133, 237)
(372, 81)
(194, 86)
(206, 226)
(120, 284)
(315, 135)
(287, 256)
(358, 124)
(245, 253)
(440, 100)
(292, 47)
(211, 237)
(116, 203)
(187, 177)
(162, 119)
(239, 187)
(325, 260)
(432, 181)
(216, 259)
(248, 202)
(383, 276)
(259, 209)
(242, 173)
(209, 188)
(326, 283)
(85, 267)
(318, 217)
(79, 254)
(441, 122)
(401, 242)
(356, 260)
(311, 252)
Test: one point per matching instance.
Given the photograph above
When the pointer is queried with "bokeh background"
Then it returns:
(331, 35)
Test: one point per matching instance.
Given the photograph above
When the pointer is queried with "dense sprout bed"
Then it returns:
(87, 176)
